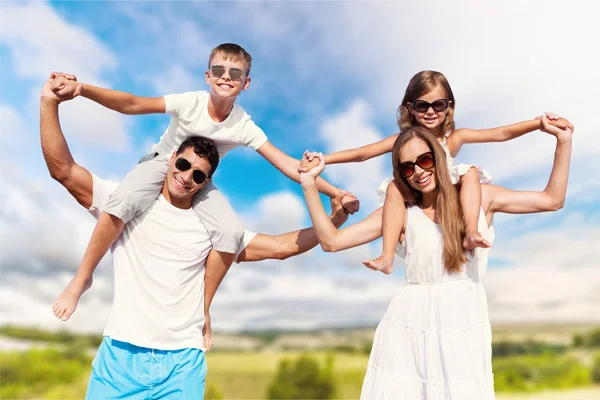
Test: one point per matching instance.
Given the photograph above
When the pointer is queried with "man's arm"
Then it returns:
(280, 247)
(125, 103)
(61, 165)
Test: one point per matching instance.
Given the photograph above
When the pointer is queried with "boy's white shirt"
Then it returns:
(159, 262)
(189, 117)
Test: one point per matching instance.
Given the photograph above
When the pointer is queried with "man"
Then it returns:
(154, 343)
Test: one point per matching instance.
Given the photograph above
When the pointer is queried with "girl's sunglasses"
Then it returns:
(183, 165)
(219, 71)
(438, 105)
(425, 161)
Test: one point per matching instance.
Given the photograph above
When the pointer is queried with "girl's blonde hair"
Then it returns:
(419, 85)
(447, 206)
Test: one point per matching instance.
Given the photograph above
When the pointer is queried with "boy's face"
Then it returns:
(225, 86)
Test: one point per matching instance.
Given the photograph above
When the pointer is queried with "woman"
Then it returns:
(434, 341)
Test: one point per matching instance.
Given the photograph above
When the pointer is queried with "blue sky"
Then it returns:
(325, 76)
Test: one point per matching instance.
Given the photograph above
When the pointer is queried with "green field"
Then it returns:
(248, 375)
(539, 364)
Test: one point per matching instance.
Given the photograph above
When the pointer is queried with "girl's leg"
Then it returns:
(470, 201)
(134, 195)
(394, 215)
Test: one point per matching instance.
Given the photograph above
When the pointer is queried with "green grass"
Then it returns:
(248, 375)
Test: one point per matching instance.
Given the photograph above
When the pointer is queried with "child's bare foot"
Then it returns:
(381, 263)
(66, 303)
(474, 239)
(207, 335)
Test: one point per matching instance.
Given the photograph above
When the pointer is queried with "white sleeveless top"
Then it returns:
(422, 247)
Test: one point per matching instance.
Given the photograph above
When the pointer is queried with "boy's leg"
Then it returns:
(470, 202)
(133, 196)
(394, 214)
(220, 220)
(119, 371)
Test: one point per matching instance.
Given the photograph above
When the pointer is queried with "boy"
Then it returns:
(212, 114)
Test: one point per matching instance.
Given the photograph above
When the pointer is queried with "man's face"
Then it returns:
(187, 174)
(220, 80)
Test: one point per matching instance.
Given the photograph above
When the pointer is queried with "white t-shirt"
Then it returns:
(158, 262)
(189, 117)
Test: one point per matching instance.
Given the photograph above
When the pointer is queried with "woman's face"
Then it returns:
(417, 165)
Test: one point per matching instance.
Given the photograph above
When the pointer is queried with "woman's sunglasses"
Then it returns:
(438, 105)
(425, 161)
(183, 165)
(219, 71)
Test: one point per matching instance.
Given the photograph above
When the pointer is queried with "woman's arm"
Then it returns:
(552, 198)
(330, 238)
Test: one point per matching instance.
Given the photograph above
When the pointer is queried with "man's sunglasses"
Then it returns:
(425, 161)
(183, 165)
(219, 71)
(438, 105)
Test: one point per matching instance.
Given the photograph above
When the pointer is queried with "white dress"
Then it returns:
(434, 341)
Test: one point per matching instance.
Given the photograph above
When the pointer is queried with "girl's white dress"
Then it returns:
(434, 341)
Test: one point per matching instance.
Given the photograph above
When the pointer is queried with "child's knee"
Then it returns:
(228, 238)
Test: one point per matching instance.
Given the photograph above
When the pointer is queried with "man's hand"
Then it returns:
(207, 335)
(64, 88)
(47, 94)
(338, 214)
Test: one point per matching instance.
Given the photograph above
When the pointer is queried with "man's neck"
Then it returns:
(184, 204)
(219, 109)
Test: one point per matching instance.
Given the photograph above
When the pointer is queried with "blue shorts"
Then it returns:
(121, 370)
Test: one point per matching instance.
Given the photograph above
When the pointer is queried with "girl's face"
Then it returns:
(430, 118)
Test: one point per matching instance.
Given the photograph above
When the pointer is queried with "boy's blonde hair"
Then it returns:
(234, 52)
(419, 85)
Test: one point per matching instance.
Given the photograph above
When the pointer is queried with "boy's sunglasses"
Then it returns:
(438, 105)
(219, 71)
(183, 165)
(425, 161)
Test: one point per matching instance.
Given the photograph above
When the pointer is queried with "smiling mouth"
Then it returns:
(424, 181)
(180, 184)
(225, 86)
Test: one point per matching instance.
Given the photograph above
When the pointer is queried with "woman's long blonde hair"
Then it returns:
(419, 85)
(447, 206)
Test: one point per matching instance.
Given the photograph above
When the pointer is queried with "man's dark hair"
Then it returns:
(203, 147)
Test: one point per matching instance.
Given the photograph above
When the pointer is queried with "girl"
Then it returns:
(429, 102)
(434, 341)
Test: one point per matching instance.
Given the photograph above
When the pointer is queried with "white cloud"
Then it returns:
(276, 213)
(351, 129)
(177, 80)
(46, 43)
(42, 41)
